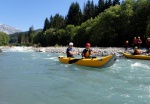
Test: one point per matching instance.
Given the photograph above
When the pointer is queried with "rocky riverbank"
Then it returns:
(101, 50)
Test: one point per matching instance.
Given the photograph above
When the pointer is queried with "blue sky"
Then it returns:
(22, 14)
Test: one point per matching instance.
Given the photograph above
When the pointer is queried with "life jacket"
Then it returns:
(137, 52)
(126, 44)
(134, 41)
(139, 41)
(148, 42)
(67, 52)
(86, 53)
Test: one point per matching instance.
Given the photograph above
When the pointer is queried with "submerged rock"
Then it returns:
(0, 50)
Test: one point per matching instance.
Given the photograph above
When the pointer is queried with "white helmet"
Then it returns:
(71, 44)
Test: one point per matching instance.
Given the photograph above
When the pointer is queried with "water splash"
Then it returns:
(140, 65)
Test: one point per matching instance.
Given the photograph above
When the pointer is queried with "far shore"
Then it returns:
(100, 50)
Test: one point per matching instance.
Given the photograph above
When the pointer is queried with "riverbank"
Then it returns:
(101, 50)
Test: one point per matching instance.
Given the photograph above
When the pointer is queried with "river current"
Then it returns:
(39, 78)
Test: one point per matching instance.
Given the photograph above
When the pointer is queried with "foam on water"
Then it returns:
(18, 49)
(52, 58)
(140, 65)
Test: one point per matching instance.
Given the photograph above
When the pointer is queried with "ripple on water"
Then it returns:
(140, 65)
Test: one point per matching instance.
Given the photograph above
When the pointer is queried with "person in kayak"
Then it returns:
(139, 42)
(148, 45)
(87, 52)
(69, 51)
(126, 45)
(134, 42)
(136, 51)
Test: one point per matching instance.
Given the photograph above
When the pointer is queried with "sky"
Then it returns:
(23, 14)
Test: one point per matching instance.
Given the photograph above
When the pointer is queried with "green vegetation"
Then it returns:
(4, 39)
(108, 23)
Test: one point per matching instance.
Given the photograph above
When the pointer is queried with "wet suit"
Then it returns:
(67, 51)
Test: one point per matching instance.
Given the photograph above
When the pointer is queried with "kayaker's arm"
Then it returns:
(72, 53)
(94, 52)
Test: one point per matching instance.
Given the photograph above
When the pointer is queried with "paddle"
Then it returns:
(73, 61)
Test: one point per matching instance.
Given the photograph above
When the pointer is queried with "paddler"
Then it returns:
(126, 45)
(69, 50)
(134, 42)
(148, 45)
(87, 52)
(139, 42)
(136, 51)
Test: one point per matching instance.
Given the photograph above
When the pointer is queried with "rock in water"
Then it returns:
(0, 50)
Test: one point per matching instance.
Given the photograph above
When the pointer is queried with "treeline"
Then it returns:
(108, 23)
(4, 39)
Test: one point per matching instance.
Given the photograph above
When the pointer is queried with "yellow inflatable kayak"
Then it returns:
(106, 61)
(142, 57)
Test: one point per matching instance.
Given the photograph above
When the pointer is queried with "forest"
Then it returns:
(4, 39)
(108, 23)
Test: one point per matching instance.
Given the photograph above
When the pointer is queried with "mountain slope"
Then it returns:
(8, 29)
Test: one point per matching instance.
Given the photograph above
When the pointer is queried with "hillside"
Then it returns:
(8, 29)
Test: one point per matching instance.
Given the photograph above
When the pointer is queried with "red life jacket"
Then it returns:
(139, 41)
(134, 41)
(126, 44)
(148, 42)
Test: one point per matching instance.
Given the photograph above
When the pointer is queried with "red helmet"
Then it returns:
(88, 44)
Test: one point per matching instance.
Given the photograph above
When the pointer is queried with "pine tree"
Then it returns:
(46, 24)
(74, 15)
(51, 22)
(110, 3)
(93, 9)
(101, 6)
(116, 2)
(57, 21)
(31, 34)
(21, 38)
(89, 10)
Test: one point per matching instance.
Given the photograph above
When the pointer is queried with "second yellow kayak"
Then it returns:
(142, 57)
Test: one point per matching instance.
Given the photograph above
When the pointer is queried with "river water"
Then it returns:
(39, 78)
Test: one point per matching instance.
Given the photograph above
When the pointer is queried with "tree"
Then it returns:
(31, 34)
(74, 15)
(101, 6)
(114, 24)
(4, 39)
(46, 24)
(116, 2)
(62, 37)
(70, 32)
(57, 21)
(148, 29)
(89, 11)
(21, 38)
(141, 17)
(49, 37)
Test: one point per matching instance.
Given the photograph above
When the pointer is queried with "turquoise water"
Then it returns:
(39, 78)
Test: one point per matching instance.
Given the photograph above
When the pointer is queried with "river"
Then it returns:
(39, 78)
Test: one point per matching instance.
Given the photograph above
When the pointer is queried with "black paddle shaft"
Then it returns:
(73, 61)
